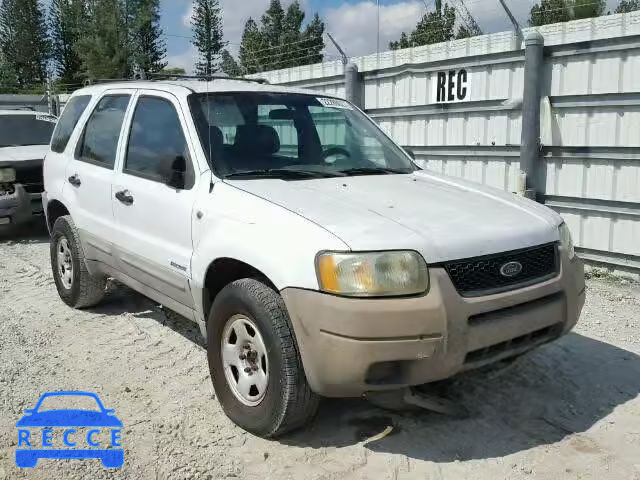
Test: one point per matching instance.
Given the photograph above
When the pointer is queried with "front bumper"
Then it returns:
(351, 346)
(19, 206)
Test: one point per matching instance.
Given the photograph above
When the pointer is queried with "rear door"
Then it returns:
(154, 219)
(90, 175)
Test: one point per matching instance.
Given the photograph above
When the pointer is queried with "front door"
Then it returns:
(153, 207)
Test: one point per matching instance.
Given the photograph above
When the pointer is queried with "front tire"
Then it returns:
(76, 286)
(264, 390)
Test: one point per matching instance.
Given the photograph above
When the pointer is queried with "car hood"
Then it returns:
(441, 217)
(69, 418)
(18, 154)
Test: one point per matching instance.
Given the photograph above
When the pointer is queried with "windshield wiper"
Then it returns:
(282, 173)
(371, 171)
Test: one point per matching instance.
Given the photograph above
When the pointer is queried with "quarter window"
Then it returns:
(156, 142)
(67, 122)
(99, 142)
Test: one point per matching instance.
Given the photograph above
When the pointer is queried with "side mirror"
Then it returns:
(411, 153)
(173, 172)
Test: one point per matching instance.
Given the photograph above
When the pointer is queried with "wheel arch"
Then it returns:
(55, 210)
(224, 270)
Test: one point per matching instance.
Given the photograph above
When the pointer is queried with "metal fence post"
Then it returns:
(530, 137)
(352, 87)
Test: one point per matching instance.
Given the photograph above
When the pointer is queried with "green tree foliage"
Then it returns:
(252, 42)
(282, 40)
(207, 35)
(229, 64)
(67, 19)
(148, 49)
(555, 11)
(434, 27)
(104, 47)
(173, 71)
(626, 6)
(23, 41)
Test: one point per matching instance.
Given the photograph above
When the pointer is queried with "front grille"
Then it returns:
(31, 178)
(514, 345)
(477, 276)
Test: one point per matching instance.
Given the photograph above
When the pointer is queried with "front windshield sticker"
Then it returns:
(46, 118)
(334, 103)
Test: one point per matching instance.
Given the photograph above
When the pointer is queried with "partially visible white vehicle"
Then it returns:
(24, 141)
(316, 256)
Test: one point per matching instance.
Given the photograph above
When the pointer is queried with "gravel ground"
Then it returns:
(570, 410)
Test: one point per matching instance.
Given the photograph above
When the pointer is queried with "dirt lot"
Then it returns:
(567, 411)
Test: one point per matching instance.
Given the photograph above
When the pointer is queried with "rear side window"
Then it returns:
(99, 141)
(156, 140)
(70, 116)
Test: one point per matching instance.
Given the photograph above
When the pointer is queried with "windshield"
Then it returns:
(273, 134)
(22, 130)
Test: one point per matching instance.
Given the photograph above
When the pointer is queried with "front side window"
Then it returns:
(72, 112)
(19, 130)
(253, 134)
(99, 142)
(156, 141)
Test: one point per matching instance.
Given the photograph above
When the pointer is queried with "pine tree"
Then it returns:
(104, 48)
(588, 8)
(402, 42)
(251, 46)
(626, 6)
(23, 40)
(148, 49)
(207, 35)
(229, 64)
(434, 27)
(281, 41)
(67, 19)
(555, 11)
(314, 35)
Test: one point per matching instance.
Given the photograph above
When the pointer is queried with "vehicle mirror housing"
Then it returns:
(281, 114)
(411, 153)
(173, 172)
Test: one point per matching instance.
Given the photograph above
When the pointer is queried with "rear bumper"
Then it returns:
(351, 346)
(19, 206)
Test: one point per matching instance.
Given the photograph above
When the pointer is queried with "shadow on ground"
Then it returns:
(32, 232)
(556, 391)
(121, 299)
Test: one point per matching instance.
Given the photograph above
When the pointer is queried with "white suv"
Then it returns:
(316, 257)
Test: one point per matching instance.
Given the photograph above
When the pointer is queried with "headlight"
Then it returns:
(7, 175)
(372, 274)
(566, 241)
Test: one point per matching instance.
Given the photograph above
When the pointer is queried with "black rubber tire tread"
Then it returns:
(289, 403)
(86, 290)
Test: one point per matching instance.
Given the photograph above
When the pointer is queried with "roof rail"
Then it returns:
(19, 107)
(204, 78)
(151, 77)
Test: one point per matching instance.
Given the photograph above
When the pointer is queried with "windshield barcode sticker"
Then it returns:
(334, 103)
(46, 118)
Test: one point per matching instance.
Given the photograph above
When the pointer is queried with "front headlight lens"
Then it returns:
(566, 241)
(372, 274)
(7, 175)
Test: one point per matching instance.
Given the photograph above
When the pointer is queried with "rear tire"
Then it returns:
(76, 286)
(287, 402)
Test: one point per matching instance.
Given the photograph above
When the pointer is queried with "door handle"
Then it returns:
(75, 180)
(124, 197)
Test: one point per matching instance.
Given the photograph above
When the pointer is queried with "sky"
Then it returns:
(351, 22)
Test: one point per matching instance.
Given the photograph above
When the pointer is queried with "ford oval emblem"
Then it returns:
(510, 269)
